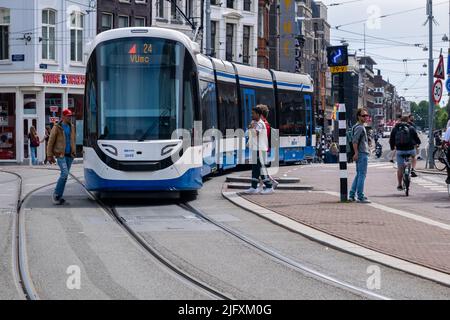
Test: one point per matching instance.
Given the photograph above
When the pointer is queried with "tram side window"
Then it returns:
(291, 113)
(228, 109)
(90, 112)
(267, 96)
(262, 96)
(191, 108)
(208, 104)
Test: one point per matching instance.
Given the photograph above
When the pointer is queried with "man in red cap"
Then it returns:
(61, 145)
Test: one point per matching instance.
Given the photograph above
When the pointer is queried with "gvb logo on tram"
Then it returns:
(160, 116)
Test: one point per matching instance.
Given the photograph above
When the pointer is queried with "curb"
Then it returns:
(337, 243)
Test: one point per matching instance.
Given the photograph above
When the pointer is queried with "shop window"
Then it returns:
(7, 126)
(29, 104)
(53, 108)
(75, 104)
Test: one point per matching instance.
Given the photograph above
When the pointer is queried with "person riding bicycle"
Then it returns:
(404, 139)
(447, 144)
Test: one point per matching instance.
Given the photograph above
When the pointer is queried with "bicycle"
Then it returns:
(440, 158)
(407, 174)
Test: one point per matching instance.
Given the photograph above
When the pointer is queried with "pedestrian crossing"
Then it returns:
(436, 184)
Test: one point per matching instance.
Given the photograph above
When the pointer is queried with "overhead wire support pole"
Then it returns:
(430, 85)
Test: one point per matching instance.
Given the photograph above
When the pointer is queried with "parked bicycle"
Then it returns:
(440, 158)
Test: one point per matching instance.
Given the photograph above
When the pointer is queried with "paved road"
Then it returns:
(113, 266)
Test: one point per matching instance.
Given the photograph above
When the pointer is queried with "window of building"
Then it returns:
(7, 126)
(229, 42)
(230, 4)
(246, 45)
(160, 8)
(213, 38)
(76, 36)
(215, 2)
(247, 5)
(5, 20)
(260, 22)
(124, 1)
(107, 22)
(48, 34)
(189, 8)
(139, 21)
(173, 9)
(124, 21)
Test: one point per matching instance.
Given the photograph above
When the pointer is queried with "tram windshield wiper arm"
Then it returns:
(164, 113)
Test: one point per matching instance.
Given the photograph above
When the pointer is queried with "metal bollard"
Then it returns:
(343, 173)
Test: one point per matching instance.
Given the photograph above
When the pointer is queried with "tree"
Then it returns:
(441, 119)
(420, 113)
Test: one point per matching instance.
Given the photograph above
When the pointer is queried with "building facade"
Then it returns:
(234, 30)
(113, 14)
(42, 69)
(183, 15)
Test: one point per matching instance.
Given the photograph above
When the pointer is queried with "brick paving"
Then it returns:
(364, 225)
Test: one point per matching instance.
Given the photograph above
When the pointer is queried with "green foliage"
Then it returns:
(420, 112)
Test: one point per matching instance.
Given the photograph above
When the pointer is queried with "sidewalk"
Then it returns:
(393, 232)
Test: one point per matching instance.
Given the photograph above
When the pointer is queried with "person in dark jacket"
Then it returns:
(61, 144)
(404, 139)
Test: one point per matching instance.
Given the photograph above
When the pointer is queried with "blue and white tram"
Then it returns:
(144, 84)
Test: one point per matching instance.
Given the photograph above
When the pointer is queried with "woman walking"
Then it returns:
(47, 136)
(34, 144)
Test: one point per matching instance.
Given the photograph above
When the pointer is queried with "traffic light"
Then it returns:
(337, 56)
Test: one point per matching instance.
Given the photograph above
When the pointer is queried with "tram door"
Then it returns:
(27, 123)
(249, 103)
(309, 120)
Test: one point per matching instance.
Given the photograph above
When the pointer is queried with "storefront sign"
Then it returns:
(43, 66)
(63, 79)
(54, 119)
(54, 108)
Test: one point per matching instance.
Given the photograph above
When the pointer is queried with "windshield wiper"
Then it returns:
(164, 113)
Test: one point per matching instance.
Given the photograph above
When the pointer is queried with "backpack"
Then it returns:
(403, 137)
(34, 142)
(350, 149)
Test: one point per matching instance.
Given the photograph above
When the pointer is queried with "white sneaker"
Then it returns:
(275, 184)
(252, 191)
(267, 191)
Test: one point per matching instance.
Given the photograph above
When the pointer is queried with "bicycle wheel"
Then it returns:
(406, 182)
(439, 159)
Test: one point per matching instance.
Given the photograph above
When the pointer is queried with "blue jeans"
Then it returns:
(33, 151)
(361, 172)
(64, 164)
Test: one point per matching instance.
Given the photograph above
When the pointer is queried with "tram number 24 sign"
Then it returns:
(437, 91)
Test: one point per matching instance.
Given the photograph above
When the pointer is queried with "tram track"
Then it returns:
(282, 258)
(178, 272)
(25, 281)
(21, 271)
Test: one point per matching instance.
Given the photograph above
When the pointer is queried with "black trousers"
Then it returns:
(259, 170)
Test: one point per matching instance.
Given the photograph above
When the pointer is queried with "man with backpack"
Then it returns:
(359, 152)
(404, 139)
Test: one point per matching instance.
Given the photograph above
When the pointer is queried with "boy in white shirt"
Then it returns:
(259, 145)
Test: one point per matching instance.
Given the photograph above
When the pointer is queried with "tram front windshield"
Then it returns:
(138, 84)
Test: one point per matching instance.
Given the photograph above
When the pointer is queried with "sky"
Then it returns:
(392, 39)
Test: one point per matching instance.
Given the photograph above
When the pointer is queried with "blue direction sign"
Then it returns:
(18, 57)
(447, 84)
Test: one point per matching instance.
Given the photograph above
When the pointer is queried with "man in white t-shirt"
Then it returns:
(258, 144)
(447, 142)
